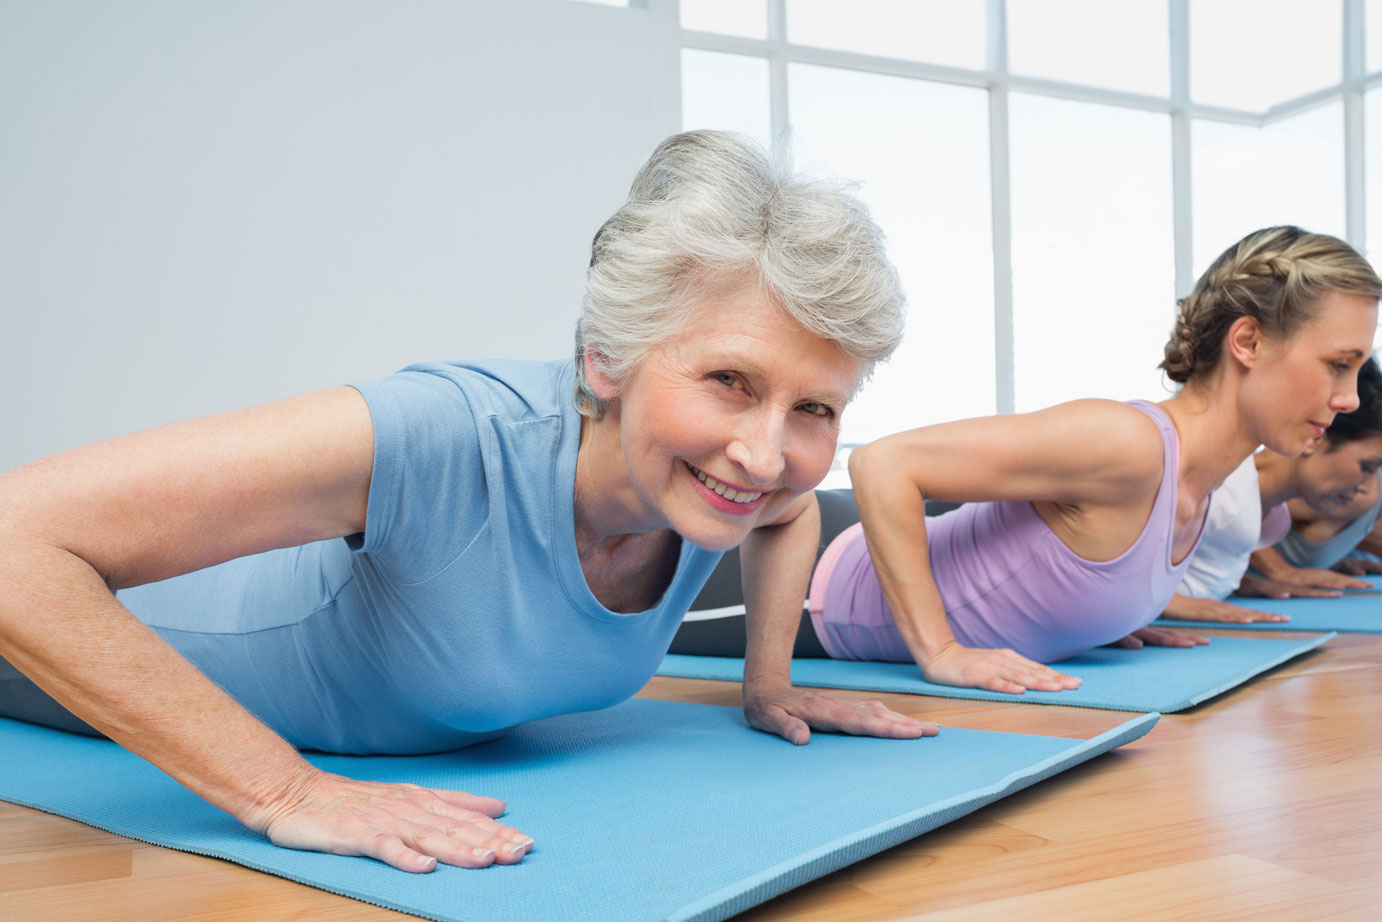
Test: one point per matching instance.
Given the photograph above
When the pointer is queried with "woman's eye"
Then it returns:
(726, 378)
(1341, 367)
(819, 409)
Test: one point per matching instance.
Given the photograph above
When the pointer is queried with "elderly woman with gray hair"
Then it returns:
(418, 563)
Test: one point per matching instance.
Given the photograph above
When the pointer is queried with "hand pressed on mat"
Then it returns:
(409, 827)
(999, 670)
(1185, 608)
(792, 713)
(1159, 637)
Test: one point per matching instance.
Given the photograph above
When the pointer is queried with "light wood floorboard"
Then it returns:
(1265, 803)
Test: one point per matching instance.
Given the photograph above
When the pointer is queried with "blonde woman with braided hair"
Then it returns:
(1079, 520)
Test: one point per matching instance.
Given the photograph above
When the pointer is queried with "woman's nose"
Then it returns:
(1345, 401)
(757, 450)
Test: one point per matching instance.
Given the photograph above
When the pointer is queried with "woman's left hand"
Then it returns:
(793, 713)
(1160, 637)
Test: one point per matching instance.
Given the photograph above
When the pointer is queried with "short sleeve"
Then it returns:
(427, 496)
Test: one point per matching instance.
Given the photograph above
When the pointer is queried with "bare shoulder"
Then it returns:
(1108, 435)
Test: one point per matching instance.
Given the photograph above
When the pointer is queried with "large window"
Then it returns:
(728, 91)
(1121, 45)
(1253, 54)
(930, 189)
(1053, 174)
(949, 32)
(1092, 254)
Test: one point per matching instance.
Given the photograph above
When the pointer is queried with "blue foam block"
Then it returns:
(1359, 613)
(1164, 679)
(649, 810)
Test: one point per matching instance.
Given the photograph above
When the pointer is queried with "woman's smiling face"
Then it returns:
(724, 426)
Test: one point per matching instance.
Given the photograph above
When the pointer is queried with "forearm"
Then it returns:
(1269, 562)
(777, 562)
(1183, 606)
(893, 510)
(61, 626)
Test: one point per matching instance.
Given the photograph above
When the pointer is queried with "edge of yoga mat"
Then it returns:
(903, 678)
(1342, 614)
(843, 852)
(743, 893)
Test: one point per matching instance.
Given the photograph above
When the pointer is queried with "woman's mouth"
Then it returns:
(725, 497)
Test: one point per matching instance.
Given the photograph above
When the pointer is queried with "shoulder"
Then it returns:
(507, 388)
(1109, 435)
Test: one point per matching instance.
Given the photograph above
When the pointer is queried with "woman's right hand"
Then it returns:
(403, 825)
(1215, 610)
(994, 670)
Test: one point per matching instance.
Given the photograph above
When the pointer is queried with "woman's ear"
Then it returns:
(1244, 341)
(600, 381)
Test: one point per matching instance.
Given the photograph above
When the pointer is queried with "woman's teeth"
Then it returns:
(728, 493)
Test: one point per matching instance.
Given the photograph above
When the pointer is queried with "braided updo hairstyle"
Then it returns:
(1275, 276)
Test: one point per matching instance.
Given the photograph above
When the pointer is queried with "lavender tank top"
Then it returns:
(1007, 580)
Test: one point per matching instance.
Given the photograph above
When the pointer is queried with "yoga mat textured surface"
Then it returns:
(649, 810)
(1164, 679)
(1349, 613)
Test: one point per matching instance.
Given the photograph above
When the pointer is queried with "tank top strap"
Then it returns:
(1163, 514)
(1170, 444)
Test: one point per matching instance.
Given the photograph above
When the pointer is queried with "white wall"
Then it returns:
(208, 205)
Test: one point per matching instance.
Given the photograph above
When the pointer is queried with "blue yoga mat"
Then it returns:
(1350, 613)
(1164, 679)
(649, 810)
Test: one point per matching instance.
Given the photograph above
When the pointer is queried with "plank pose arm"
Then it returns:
(1091, 468)
(149, 506)
(777, 561)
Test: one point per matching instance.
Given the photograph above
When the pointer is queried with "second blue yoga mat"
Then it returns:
(1164, 679)
(647, 811)
(1349, 613)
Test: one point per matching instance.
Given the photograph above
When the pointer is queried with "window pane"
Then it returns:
(1252, 54)
(1290, 172)
(1229, 188)
(936, 31)
(748, 18)
(1373, 179)
(1124, 45)
(1373, 17)
(1093, 262)
(921, 152)
(725, 91)
(1303, 170)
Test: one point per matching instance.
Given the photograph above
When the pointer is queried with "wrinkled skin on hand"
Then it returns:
(403, 825)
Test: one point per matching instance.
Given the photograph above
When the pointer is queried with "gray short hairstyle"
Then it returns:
(711, 206)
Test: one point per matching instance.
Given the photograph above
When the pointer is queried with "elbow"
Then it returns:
(872, 466)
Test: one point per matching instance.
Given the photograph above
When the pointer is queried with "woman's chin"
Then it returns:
(715, 540)
(1288, 448)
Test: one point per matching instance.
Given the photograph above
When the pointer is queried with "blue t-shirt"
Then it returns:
(461, 611)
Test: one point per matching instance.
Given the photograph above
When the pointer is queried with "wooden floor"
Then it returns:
(1264, 804)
